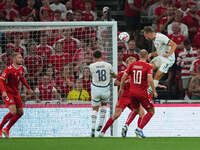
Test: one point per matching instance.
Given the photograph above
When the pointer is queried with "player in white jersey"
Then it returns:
(101, 73)
(164, 56)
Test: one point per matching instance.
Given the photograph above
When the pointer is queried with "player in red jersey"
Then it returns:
(9, 85)
(122, 103)
(141, 76)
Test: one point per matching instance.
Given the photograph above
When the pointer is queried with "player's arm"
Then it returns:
(121, 89)
(3, 78)
(24, 82)
(117, 83)
(151, 83)
(153, 54)
(173, 48)
(114, 75)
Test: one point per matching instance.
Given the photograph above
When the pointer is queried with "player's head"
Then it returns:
(97, 54)
(143, 54)
(17, 58)
(130, 60)
(149, 32)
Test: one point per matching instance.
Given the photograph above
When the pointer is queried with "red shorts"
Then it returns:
(13, 100)
(142, 98)
(124, 102)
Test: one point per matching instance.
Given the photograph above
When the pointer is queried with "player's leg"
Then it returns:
(17, 112)
(149, 107)
(141, 115)
(110, 121)
(104, 97)
(102, 114)
(95, 109)
(10, 103)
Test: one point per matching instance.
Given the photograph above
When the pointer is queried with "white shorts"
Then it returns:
(162, 63)
(99, 95)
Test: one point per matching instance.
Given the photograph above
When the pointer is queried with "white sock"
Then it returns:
(155, 83)
(102, 115)
(94, 118)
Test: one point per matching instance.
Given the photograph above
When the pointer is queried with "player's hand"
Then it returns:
(155, 94)
(4, 95)
(149, 56)
(166, 55)
(38, 100)
(121, 91)
(30, 91)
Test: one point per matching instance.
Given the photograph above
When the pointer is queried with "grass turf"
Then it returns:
(106, 143)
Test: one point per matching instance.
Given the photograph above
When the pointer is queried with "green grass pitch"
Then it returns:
(107, 143)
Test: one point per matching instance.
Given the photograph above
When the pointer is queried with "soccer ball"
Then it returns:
(124, 37)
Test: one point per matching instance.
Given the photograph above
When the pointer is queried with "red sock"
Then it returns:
(13, 121)
(108, 124)
(6, 118)
(139, 121)
(145, 120)
(131, 117)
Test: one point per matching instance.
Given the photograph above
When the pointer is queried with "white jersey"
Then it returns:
(161, 42)
(101, 73)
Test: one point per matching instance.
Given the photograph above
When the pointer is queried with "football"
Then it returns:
(124, 37)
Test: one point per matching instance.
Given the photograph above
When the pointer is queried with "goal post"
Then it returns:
(22, 36)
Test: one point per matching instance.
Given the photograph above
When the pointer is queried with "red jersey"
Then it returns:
(131, 12)
(70, 45)
(88, 16)
(139, 72)
(60, 82)
(80, 5)
(121, 67)
(10, 78)
(57, 61)
(46, 93)
(126, 86)
(86, 85)
(33, 63)
(45, 52)
(128, 55)
(6, 59)
(194, 65)
(25, 11)
(196, 40)
(160, 10)
(178, 39)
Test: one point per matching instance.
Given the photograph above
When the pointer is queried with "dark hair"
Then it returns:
(187, 42)
(97, 54)
(148, 29)
(57, 11)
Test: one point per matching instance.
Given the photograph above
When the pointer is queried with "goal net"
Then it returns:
(56, 59)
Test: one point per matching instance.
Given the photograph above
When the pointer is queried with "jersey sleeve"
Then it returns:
(3, 78)
(150, 69)
(165, 39)
(111, 69)
(5, 74)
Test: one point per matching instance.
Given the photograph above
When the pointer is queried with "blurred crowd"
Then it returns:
(57, 60)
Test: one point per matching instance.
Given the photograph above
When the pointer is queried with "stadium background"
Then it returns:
(76, 46)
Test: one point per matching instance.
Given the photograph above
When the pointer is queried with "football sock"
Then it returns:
(131, 117)
(102, 115)
(13, 120)
(108, 124)
(145, 120)
(139, 121)
(6, 118)
(94, 118)
(155, 83)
